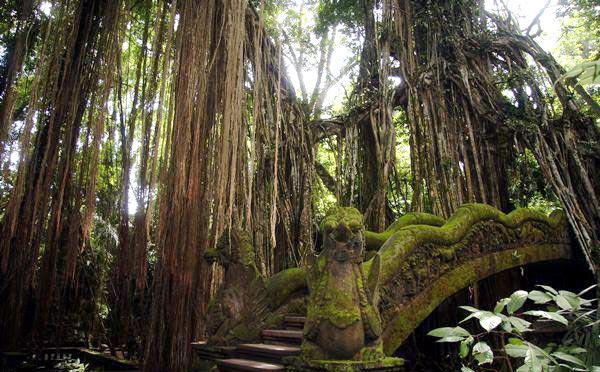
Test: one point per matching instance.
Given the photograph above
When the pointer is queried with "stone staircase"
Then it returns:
(266, 356)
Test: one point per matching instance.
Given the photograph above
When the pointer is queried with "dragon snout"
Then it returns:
(342, 233)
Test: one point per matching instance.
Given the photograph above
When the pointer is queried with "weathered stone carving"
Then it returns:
(246, 301)
(420, 266)
(343, 322)
(227, 316)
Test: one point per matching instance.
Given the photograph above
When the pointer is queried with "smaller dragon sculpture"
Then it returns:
(229, 314)
(343, 321)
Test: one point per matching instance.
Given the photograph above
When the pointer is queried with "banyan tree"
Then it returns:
(180, 170)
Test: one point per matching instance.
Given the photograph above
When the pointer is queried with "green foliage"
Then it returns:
(71, 365)
(400, 188)
(578, 47)
(528, 188)
(323, 198)
(587, 10)
(587, 73)
(509, 323)
(331, 12)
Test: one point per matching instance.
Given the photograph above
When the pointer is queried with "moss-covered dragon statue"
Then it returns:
(422, 261)
(343, 320)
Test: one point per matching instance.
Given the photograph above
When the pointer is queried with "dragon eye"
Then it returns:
(355, 244)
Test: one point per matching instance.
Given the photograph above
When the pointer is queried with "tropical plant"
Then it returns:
(72, 365)
(587, 73)
(506, 328)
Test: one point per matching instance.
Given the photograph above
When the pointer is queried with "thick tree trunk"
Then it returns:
(375, 129)
(49, 168)
(16, 55)
(459, 151)
(201, 195)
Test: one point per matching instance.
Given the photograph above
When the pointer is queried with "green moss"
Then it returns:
(282, 285)
(247, 255)
(447, 254)
(410, 314)
(245, 333)
(349, 217)
(374, 240)
(380, 364)
(401, 244)
(310, 351)
(236, 245)
(338, 307)
(375, 354)
(327, 302)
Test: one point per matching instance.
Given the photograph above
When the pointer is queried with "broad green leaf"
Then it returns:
(515, 341)
(586, 314)
(572, 298)
(534, 358)
(572, 350)
(548, 315)
(568, 367)
(568, 358)
(451, 339)
(482, 353)
(466, 369)
(475, 313)
(537, 352)
(539, 297)
(441, 332)
(586, 303)
(449, 331)
(530, 368)
(470, 309)
(519, 324)
(517, 300)
(516, 351)
(489, 320)
(506, 326)
(464, 349)
(591, 75)
(549, 289)
(500, 305)
(587, 73)
(562, 302)
(525, 368)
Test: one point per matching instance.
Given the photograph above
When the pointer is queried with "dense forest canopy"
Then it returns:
(134, 134)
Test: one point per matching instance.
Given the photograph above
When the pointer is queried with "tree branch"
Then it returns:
(327, 179)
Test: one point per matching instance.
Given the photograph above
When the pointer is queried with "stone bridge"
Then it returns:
(424, 260)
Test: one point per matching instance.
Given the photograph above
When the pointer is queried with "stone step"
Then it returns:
(294, 322)
(246, 365)
(295, 319)
(205, 351)
(266, 351)
(284, 336)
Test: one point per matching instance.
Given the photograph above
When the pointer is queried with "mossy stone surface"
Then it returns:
(374, 240)
(381, 365)
(409, 315)
(282, 285)
(342, 317)
(422, 264)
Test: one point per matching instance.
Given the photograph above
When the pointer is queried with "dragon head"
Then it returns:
(343, 234)
(234, 246)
